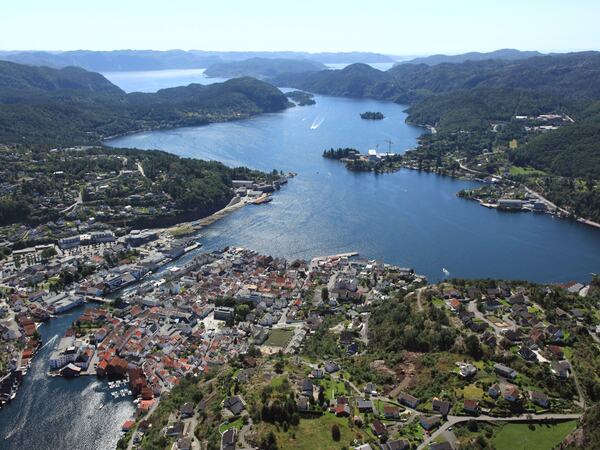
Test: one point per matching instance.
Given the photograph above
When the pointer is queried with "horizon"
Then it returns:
(392, 28)
(392, 55)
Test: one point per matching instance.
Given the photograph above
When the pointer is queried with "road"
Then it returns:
(472, 307)
(242, 442)
(146, 416)
(77, 202)
(540, 197)
(453, 420)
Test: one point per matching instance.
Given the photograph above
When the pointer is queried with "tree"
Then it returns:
(325, 294)
(48, 253)
(269, 442)
(279, 365)
(335, 432)
(321, 397)
(473, 346)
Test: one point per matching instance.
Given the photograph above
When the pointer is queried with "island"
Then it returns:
(301, 98)
(373, 161)
(370, 115)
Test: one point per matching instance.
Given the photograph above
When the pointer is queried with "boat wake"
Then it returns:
(446, 272)
(317, 123)
(50, 341)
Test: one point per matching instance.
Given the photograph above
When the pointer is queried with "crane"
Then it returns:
(389, 142)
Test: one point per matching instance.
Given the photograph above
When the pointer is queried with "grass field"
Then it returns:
(279, 338)
(333, 388)
(180, 231)
(471, 392)
(514, 170)
(311, 434)
(514, 436)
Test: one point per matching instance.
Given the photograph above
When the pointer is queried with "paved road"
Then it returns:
(472, 307)
(242, 442)
(78, 201)
(453, 420)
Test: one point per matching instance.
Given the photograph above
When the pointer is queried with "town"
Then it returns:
(259, 351)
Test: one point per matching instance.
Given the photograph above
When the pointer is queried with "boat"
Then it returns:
(262, 199)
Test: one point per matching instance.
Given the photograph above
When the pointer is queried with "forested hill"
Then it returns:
(574, 75)
(506, 54)
(17, 78)
(262, 67)
(571, 151)
(51, 107)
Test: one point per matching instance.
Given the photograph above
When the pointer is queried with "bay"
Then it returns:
(409, 218)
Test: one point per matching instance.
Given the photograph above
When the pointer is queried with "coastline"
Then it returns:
(199, 123)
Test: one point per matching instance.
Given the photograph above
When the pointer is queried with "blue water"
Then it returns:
(408, 218)
(153, 80)
(57, 413)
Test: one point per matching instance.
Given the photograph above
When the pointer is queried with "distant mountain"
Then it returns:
(323, 57)
(44, 106)
(262, 68)
(132, 60)
(574, 75)
(355, 80)
(503, 54)
(113, 61)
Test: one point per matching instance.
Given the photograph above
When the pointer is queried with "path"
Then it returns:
(419, 298)
(141, 169)
(242, 442)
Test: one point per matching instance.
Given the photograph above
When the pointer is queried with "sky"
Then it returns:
(395, 27)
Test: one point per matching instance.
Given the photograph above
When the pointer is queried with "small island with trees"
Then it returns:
(341, 153)
(301, 98)
(358, 162)
(371, 115)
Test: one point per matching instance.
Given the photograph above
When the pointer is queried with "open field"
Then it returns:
(313, 434)
(514, 170)
(543, 437)
(279, 338)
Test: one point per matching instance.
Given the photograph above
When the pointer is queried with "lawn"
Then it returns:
(333, 387)
(439, 303)
(313, 434)
(471, 392)
(180, 231)
(514, 170)
(514, 436)
(279, 337)
(238, 424)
